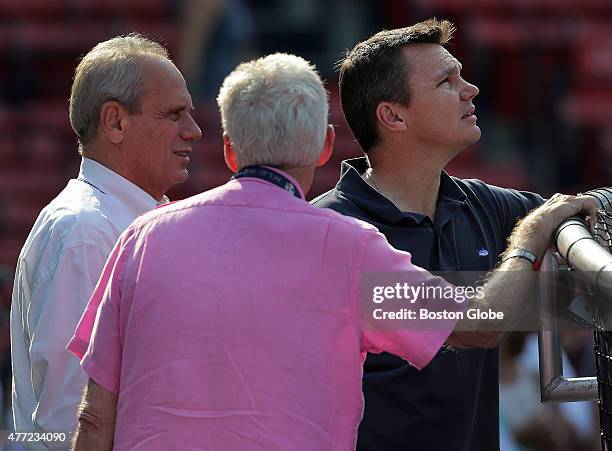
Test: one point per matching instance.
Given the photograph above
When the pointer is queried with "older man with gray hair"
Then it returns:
(131, 112)
(231, 320)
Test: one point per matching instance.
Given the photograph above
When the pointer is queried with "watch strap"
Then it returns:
(526, 254)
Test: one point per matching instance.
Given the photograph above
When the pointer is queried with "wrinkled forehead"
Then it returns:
(160, 73)
(162, 79)
(427, 62)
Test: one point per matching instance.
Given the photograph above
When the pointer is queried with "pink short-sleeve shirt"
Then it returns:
(230, 321)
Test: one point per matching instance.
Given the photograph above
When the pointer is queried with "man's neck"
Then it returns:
(411, 180)
(105, 158)
(304, 175)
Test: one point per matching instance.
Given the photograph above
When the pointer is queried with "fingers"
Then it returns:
(535, 231)
(588, 204)
(563, 206)
(589, 211)
(585, 206)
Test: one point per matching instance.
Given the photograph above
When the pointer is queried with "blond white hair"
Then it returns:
(274, 110)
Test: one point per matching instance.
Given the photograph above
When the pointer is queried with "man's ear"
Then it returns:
(229, 154)
(113, 118)
(390, 116)
(328, 146)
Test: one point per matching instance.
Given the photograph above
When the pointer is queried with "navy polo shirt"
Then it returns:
(453, 403)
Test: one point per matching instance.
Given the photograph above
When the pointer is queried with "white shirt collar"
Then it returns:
(109, 182)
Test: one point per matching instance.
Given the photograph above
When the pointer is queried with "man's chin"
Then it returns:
(181, 176)
(460, 147)
(474, 136)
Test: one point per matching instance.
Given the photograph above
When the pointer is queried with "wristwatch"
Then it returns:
(526, 254)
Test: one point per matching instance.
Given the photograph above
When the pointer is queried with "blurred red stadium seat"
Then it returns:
(589, 109)
(77, 36)
(51, 36)
(67, 8)
(514, 32)
(8, 152)
(8, 118)
(21, 216)
(592, 54)
(159, 8)
(50, 114)
(37, 187)
(30, 8)
(510, 174)
(499, 7)
(9, 250)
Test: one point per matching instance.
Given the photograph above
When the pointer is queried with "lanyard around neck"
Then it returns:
(260, 172)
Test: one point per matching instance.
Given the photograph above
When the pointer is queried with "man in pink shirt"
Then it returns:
(232, 320)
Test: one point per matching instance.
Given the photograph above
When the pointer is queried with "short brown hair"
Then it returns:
(375, 71)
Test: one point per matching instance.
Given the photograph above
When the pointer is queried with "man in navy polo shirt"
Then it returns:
(411, 111)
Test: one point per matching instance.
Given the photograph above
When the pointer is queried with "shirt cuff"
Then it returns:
(78, 347)
(99, 375)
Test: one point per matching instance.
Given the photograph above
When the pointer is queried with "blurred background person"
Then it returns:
(217, 35)
(530, 424)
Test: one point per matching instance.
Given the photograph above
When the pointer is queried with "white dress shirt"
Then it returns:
(56, 272)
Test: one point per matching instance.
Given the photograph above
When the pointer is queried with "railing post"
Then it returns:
(553, 386)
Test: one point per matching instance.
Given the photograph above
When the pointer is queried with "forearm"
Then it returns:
(510, 289)
(96, 420)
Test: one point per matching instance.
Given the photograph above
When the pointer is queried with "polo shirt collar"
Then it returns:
(354, 187)
(110, 183)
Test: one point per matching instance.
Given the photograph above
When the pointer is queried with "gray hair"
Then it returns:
(109, 71)
(274, 110)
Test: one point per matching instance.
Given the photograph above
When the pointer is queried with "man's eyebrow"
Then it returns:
(181, 107)
(451, 69)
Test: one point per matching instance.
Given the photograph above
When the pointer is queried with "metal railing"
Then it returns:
(587, 256)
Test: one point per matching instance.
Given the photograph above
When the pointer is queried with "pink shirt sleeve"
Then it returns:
(417, 345)
(97, 340)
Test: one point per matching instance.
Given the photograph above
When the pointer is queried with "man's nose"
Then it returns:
(191, 131)
(469, 91)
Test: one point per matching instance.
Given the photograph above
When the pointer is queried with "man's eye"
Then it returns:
(446, 80)
(174, 116)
